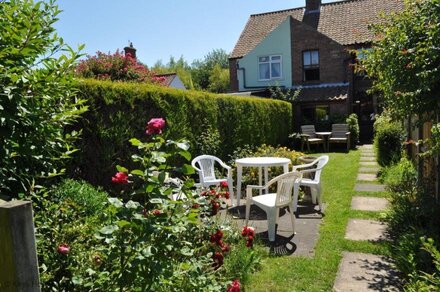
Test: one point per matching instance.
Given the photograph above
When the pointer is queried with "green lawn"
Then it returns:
(289, 273)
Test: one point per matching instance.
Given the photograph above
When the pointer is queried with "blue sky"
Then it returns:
(160, 29)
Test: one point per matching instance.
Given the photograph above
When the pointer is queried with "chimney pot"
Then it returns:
(130, 50)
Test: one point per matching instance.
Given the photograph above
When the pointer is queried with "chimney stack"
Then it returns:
(130, 50)
(313, 5)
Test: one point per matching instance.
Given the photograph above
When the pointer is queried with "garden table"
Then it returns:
(325, 136)
(260, 162)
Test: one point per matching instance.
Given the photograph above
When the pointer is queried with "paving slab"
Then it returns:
(300, 243)
(368, 163)
(366, 272)
(369, 188)
(366, 177)
(367, 158)
(369, 170)
(367, 146)
(369, 204)
(361, 229)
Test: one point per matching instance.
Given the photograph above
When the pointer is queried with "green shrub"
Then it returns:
(388, 139)
(353, 127)
(401, 177)
(118, 112)
(89, 198)
(37, 102)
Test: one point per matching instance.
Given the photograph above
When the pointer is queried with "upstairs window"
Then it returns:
(311, 65)
(270, 67)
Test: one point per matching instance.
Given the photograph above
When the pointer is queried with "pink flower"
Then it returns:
(224, 184)
(120, 178)
(155, 126)
(63, 248)
(234, 287)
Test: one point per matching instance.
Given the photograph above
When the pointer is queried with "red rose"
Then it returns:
(156, 212)
(249, 243)
(224, 184)
(120, 178)
(155, 126)
(63, 249)
(235, 286)
(213, 191)
(145, 212)
(227, 195)
(196, 206)
(251, 231)
(251, 238)
(225, 248)
(245, 231)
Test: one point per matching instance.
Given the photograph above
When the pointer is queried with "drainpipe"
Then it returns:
(244, 80)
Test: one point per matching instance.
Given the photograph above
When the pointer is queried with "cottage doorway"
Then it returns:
(366, 111)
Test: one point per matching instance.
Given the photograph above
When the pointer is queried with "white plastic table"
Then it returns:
(326, 136)
(260, 162)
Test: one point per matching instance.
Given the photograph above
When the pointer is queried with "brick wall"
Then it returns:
(233, 75)
(332, 56)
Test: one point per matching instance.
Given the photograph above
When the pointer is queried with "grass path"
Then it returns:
(318, 273)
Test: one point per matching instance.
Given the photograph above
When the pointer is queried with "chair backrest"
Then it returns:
(339, 130)
(285, 184)
(204, 164)
(309, 130)
(320, 162)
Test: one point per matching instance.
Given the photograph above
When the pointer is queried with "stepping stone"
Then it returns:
(366, 272)
(368, 163)
(369, 204)
(367, 146)
(369, 170)
(361, 229)
(365, 158)
(366, 177)
(369, 188)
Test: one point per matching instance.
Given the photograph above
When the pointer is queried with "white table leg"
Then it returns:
(266, 178)
(260, 179)
(286, 168)
(239, 174)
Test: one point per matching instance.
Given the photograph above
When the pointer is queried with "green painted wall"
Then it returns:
(278, 42)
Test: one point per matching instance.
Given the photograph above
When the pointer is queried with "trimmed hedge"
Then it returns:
(120, 111)
(388, 139)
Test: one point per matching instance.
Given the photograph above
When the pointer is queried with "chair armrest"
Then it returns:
(224, 165)
(304, 137)
(348, 134)
(296, 167)
(255, 187)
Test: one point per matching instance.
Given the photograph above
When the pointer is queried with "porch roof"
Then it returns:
(323, 93)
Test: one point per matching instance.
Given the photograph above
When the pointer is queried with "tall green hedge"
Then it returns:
(120, 111)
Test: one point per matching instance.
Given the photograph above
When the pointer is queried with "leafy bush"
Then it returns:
(90, 199)
(118, 110)
(353, 127)
(37, 102)
(413, 214)
(115, 67)
(388, 139)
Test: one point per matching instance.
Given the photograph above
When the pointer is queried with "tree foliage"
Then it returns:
(203, 69)
(405, 60)
(36, 95)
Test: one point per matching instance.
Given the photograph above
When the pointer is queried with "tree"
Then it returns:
(219, 79)
(37, 96)
(202, 69)
(405, 60)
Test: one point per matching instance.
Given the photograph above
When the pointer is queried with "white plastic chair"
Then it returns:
(272, 202)
(205, 166)
(314, 183)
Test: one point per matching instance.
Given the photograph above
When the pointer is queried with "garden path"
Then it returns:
(360, 271)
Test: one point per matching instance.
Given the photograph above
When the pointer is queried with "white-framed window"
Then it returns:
(311, 65)
(270, 67)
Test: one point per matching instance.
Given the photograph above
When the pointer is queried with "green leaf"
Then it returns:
(185, 154)
(115, 202)
(187, 169)
(122, 223)
(132, 205)
(121, 169)
(183, 145)
(137, 172)
(162, 176)
(156, 201)
(186, 251)
(77, 280)
(109, 229)
(135, 142)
